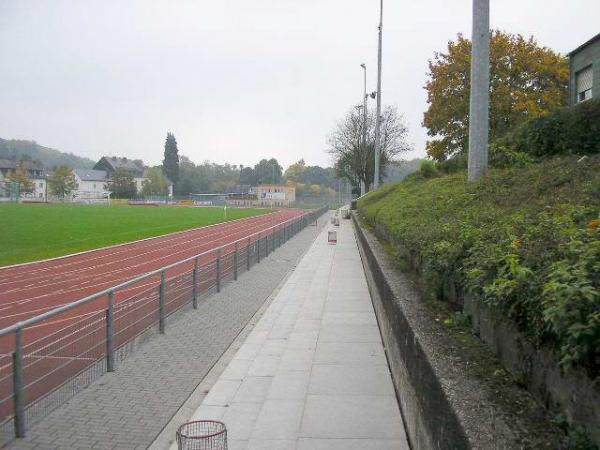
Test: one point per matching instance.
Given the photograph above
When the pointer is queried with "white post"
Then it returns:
(480, 91)
(378, 113)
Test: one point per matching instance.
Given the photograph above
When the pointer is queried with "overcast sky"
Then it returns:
(235, 80)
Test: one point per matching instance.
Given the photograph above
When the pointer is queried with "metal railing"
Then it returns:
(56, 354)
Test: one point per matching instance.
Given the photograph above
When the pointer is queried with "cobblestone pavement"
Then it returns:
(127, 409)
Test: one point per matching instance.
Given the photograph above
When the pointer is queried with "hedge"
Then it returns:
(573, 130)
(525, 240)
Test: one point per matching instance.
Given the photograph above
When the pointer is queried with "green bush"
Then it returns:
(525, 240)
(573, 130)
(428, 169)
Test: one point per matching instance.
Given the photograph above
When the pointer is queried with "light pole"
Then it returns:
(364, 127)
(378, 114)
(480, 91)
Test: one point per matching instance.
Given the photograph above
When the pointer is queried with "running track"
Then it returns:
(32, 289)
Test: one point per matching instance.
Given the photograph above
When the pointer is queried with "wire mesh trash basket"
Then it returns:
(202, 435)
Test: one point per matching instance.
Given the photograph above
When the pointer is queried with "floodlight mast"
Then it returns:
(378, 113)
(364, 125)
(480, 91)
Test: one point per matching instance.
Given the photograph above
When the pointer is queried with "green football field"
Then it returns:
(30, 232)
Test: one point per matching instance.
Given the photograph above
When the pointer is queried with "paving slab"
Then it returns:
(313, 375)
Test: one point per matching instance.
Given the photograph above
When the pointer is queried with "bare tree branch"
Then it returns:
(356, 162)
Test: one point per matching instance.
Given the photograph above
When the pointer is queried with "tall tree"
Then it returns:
(62, 182)
(268, 171)
(122, 184)
(356, 162)
(247, 176)
(295, 172)
(20, 177)
(170, 164)
(155, 183)
(526, 81)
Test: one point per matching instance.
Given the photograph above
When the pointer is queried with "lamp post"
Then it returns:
(480, 91)
(364, 127)
(378, 113)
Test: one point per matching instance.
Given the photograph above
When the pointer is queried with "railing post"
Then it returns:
(218, 270)
(235, 261)
(258, 250)
(161, 303)
(19, 394)
(195, 284)
(248, 255)
(110, 347)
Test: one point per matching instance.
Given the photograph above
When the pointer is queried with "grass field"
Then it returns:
(33, 232)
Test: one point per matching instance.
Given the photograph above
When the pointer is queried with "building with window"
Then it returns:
(91, 184)
(36, 173)
(584, 62)
(139, 172)
(274, 194)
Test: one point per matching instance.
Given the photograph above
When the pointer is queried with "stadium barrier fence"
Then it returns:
(47, 368)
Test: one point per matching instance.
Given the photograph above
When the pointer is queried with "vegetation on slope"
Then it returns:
(48, 157)
(33, 232)
(525, 240)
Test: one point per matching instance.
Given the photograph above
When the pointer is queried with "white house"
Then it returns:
(136, 168)
(35, 172)
(91, 185)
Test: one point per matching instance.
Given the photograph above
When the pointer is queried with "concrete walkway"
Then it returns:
(312, 374)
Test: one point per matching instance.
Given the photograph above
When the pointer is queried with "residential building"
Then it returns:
(36, 173)
(91, 184)
(136, 168)
(111, 163)
(274, 194)
(584, 62)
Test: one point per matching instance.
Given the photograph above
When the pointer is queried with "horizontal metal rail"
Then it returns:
(34, 320)
(162, 297)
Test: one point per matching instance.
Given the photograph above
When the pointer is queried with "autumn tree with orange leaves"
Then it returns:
(526, 81)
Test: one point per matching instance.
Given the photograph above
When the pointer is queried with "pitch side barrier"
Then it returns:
(88, 337)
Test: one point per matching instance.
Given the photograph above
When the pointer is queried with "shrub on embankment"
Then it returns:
(525, 240)
(569, 130)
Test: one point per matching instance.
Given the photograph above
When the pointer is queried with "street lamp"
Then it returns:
(480, 91)
(378, 114)
(364, 127)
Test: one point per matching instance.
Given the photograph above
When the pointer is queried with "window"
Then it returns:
(94, 186)
(584, 80)
(41, 185)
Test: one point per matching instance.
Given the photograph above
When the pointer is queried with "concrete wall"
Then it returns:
(442, 405)
(573, 394)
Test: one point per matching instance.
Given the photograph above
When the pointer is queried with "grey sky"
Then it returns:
(235, 80)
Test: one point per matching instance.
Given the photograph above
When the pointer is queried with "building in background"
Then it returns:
(584, 63)
(135, 167)
(36, 173)
(274, 195)
(91, 185)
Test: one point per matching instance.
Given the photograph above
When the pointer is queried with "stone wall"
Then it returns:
(443, 407)
(573, 395)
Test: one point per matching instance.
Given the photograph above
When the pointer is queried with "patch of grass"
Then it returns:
(30, 232)
(525, 240)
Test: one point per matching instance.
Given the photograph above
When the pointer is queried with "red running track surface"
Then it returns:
(32, 289)
(59, 348)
